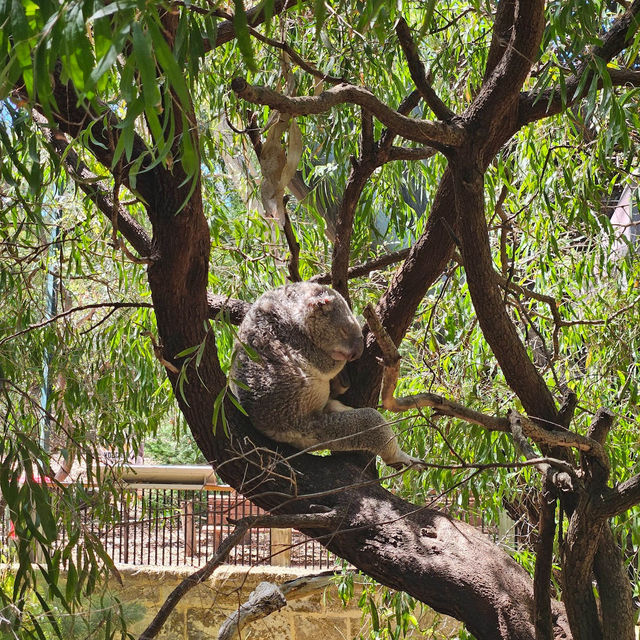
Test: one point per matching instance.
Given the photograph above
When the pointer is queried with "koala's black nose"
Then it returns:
(357, 347)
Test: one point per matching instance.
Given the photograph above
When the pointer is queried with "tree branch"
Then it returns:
(500, 35)
(614, 588)
(544, 563)
(298, 59)
(268, 598)
(91, 185)
(294, 249)
(418, 74)
(502, 86)
(68, 312)
(221, 305)
(411, 154)
(621, 498)
(443, 406)
(359, 270)
(127, 225)
(255, 16)
(371, 157)
(535, 106)
(435, 134)
(497, 327)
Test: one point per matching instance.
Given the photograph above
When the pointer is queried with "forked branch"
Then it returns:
(437, 134)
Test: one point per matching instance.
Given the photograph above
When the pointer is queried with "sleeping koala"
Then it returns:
(303, 334)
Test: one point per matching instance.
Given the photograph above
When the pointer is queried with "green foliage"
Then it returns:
(172, 445)
(550, 233)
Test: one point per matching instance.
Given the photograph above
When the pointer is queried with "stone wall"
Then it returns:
(199, 614)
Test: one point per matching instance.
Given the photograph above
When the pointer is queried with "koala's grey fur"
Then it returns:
(292, 343)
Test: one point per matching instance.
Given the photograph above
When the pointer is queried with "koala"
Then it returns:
(291, 347)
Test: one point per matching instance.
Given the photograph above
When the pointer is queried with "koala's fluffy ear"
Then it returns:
(321, 300)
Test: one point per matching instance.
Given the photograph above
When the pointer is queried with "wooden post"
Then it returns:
(189, 534)
(281, 547)
(124, 535)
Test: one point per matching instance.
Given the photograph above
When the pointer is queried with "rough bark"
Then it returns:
(614, 587)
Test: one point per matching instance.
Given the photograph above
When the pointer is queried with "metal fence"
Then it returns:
(177, 527)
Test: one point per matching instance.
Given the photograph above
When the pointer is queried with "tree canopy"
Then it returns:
(458, 165)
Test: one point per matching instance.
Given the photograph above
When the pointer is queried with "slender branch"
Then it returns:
(68, 312)
(359, 270)
(321, 520)
(443, 406)
(255, 16)
(356, 182)
(418, 74)
(371, 157)
(436, 134)
(294, 248)
(297, 58)
(267, 598)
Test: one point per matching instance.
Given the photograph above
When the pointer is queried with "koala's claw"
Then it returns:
(408, 462)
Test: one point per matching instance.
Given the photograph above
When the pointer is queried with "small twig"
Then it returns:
(299, 60)
(158, 351)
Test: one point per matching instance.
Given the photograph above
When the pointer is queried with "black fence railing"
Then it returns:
(178, 527)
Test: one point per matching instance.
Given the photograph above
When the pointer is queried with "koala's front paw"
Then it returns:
(405, 461)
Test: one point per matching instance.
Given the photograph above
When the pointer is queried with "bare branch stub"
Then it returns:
(268, 598)
(294, 248)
